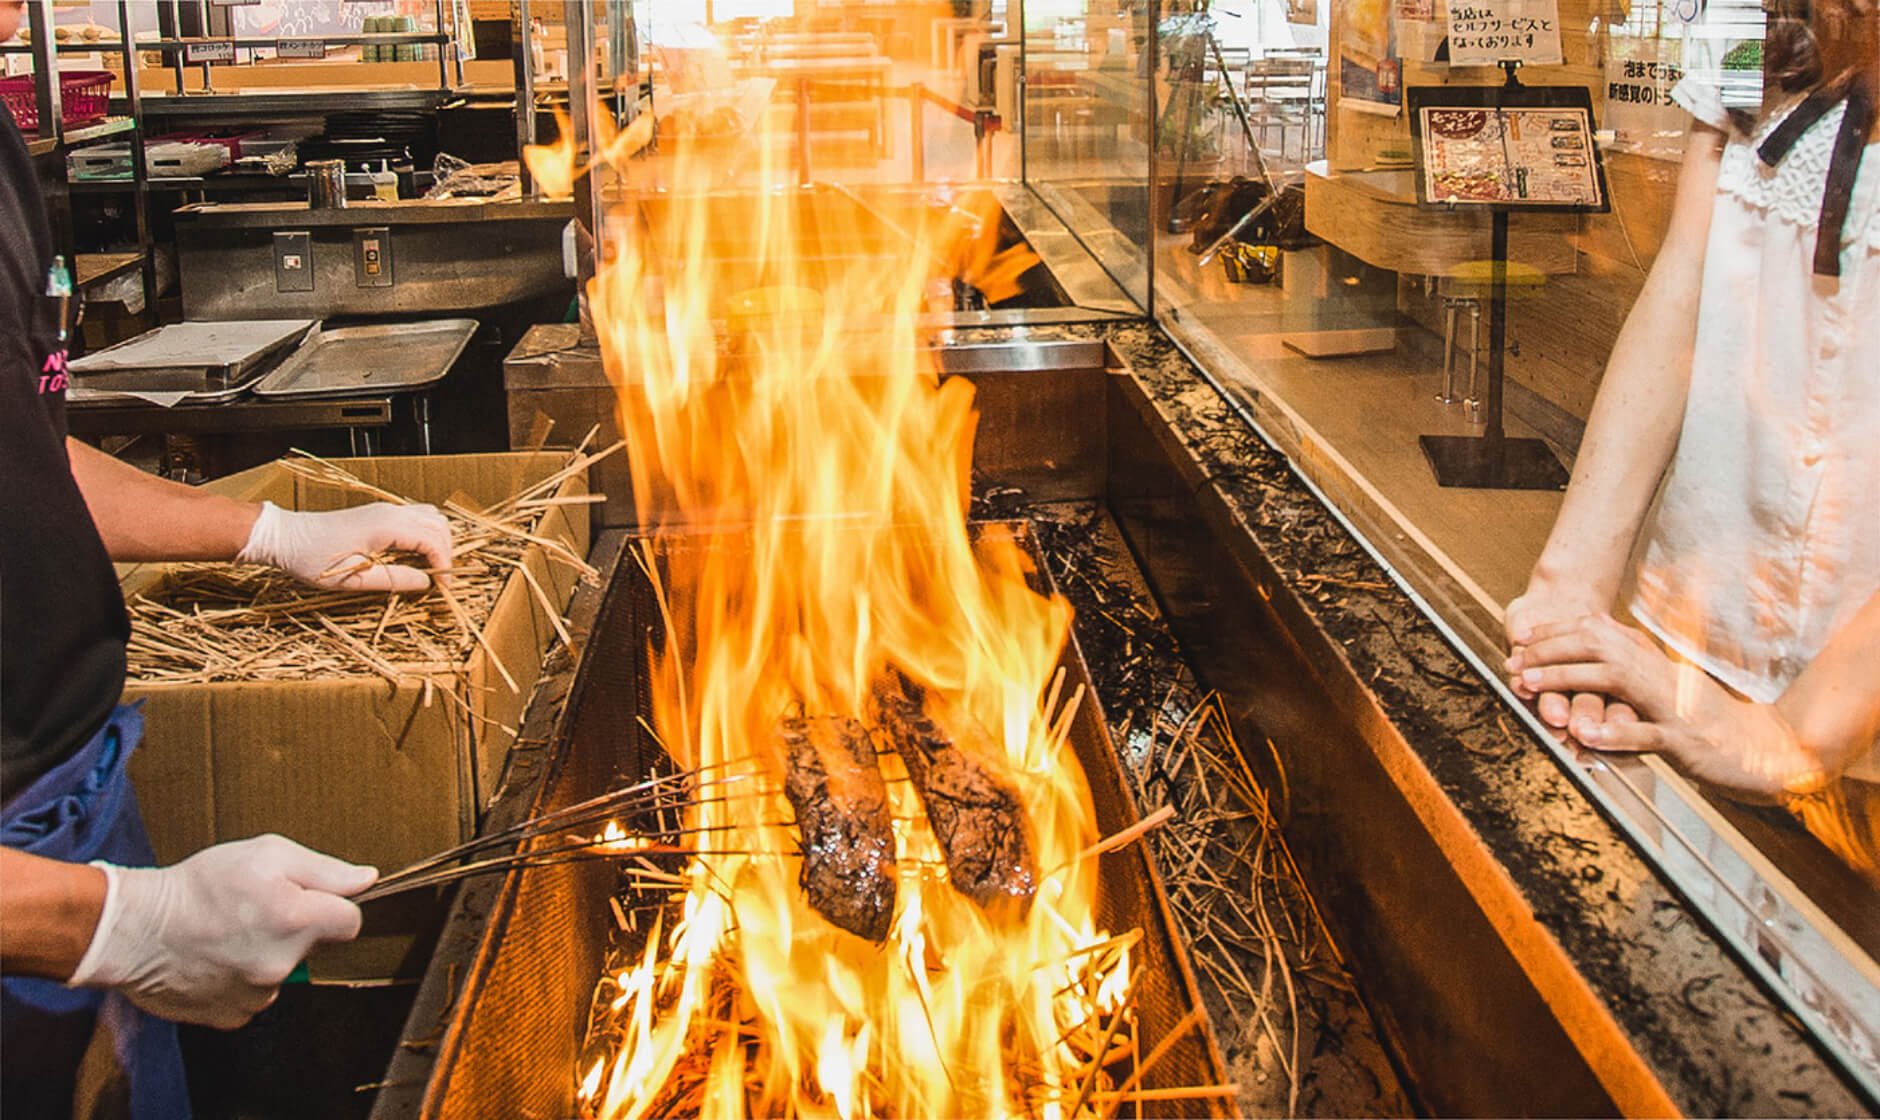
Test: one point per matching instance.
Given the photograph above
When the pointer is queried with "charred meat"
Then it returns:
(975, 814)
(834, 785)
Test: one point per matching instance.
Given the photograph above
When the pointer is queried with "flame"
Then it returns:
(553, 165)
(808, 471)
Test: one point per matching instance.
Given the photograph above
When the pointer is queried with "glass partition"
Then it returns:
(1091, 131)
(1342, 274)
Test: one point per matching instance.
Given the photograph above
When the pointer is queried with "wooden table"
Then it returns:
(1374, 216)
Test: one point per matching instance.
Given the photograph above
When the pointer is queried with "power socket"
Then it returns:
(293, 261)
(372, 257)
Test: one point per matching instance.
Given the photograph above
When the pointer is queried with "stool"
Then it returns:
(1468, 285)
(1452, 307)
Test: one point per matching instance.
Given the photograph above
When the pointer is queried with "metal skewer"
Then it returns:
(657, 793)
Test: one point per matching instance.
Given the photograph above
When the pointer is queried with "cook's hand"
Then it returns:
(1668, 706)
(333, 549)
(1545, 605)
(210, 939)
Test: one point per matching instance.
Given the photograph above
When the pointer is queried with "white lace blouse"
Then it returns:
(1766, 536)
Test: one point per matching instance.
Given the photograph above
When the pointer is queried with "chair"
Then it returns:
(1279, 93)
(1464, 289)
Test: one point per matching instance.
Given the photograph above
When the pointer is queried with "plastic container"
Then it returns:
(84, 96)
(385, 182)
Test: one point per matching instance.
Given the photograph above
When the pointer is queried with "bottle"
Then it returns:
(384, 182)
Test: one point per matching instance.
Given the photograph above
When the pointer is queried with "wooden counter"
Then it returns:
(1373, 215)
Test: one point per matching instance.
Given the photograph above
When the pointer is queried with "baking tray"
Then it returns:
(377, 358)
(211, 362)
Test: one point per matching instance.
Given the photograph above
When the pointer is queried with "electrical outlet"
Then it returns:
(372, 257)
(293, 261)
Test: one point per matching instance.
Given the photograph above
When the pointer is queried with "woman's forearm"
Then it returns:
(1636, 416)
(1833, 706)
(143, 517)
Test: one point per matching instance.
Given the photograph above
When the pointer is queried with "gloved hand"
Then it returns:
(210, 939)
(330, 549)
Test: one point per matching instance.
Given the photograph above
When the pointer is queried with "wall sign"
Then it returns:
(1488, 32)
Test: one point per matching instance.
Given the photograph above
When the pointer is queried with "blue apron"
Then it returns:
(82, 810)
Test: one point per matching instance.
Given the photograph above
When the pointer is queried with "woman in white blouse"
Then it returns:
(1750, 367)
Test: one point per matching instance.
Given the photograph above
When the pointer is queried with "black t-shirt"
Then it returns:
(62, 622)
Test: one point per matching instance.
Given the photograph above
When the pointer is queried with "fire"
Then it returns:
(553, 165)
(808, 471)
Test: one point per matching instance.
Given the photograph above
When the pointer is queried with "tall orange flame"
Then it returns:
(792, 439)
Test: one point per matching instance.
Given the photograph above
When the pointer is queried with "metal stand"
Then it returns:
(1493, 461)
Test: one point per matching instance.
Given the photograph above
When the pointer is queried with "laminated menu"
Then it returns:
(1518, 156)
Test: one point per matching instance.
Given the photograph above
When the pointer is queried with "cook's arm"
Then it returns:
(143, 517)
(48, 912)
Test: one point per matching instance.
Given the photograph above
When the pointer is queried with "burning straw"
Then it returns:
(233, 622)
(1283, 1001)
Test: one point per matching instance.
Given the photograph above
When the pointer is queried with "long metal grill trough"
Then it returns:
(511, 1044)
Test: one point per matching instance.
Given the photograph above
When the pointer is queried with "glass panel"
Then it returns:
(896, 117)
(1438, 382)
(1088, 123)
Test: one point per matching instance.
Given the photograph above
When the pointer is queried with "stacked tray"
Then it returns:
(207, 363)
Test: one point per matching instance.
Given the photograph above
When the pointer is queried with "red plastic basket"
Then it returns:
(84, 95)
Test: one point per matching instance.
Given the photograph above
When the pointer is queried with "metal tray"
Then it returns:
(210, 361)
(378, 358)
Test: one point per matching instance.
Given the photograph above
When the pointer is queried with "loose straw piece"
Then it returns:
(476, 633)
(1126, 836)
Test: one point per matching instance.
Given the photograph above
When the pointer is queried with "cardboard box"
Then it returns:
(358, 767)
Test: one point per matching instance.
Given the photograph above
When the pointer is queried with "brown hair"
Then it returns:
(1791, 55)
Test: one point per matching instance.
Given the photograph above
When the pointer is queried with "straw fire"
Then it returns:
(895, 911)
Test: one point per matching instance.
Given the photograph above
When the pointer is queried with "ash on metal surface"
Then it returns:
(1294, 1032)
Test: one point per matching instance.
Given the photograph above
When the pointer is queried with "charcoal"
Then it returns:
(975, 814)
(834, 784)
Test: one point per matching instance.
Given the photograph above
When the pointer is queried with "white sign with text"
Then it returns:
(1489, 32)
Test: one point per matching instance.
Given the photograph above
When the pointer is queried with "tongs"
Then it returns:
(506, 849)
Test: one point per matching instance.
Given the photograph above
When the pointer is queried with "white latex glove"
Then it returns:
(210, 939)
(327, 549)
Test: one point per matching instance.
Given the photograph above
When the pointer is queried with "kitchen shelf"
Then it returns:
(99, 130)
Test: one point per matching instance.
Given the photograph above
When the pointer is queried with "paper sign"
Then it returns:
(1639, 109)
(1487, 32)
(300, 48)
(209, 50)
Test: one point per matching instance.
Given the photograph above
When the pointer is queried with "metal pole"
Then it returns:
(1497, 327)
(578, 23)
(522, 47)
(202, 28)
(802, 131)
(172, 12)
(46, 71)
(917, 131)
(140, 175)
(449, 46)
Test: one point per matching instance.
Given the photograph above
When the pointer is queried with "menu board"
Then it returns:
(1539, 155)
